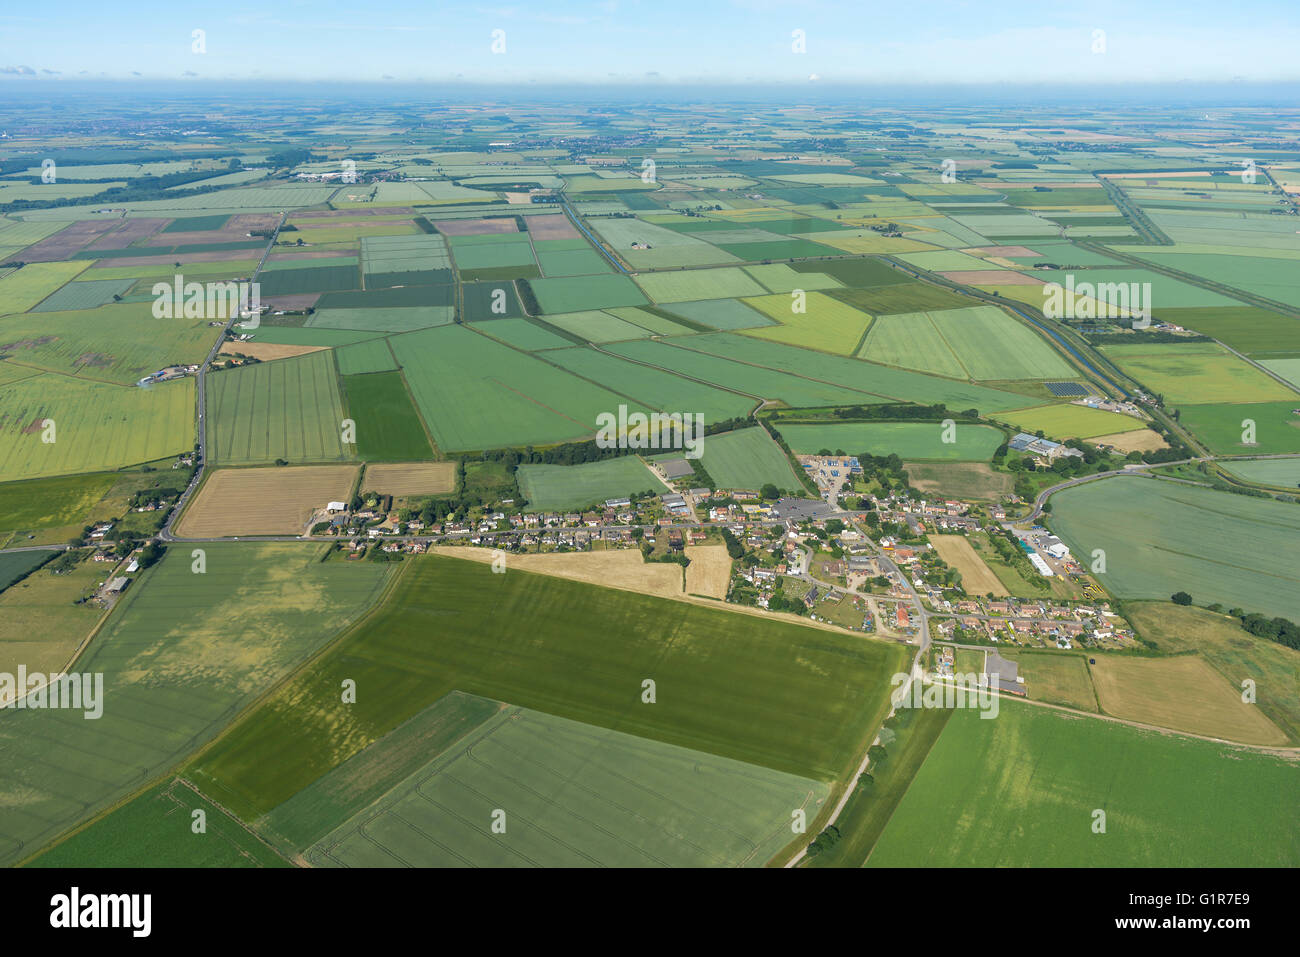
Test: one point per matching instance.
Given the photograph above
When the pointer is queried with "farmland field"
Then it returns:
(23, 289)
(265, 501)
(549, 487)
(1185, 374)
(1065, 421)
(976, 577)
(1169, 801)
(287, 409)
(388, 427)
(95, 426)
(747, 458)
(182, 654)
(41, 624)
(657, 805)
(50, 503)
(410, 478)
(825, 323)
(1154, 535)
(909, 440)
(583, 657)
(967, 481)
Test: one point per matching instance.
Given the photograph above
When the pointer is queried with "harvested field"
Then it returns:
(624, 570)
(968, 481)
(267, 501)
(267, 350)
(410, 478)
(1143, 440)
(1183, 693)
(709, 572)
(976, 577)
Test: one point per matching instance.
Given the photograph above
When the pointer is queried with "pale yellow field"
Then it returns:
(1183, 694)
(264, 501)
(976, 577)
(617, 569)
(709, 572)
(410, 478)
(1143, 440)
(267, 350)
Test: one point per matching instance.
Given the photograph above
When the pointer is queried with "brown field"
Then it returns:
(552, 227)
(68, 240)
(344, 213)
(991, 277)
(976, 577)
(267, 350)
(293, 301)
(1142, 440)
(476, 227)
(1183, 694)
(265, 501)
(410, 478)
(709, 572)
(127, 233)
(168, 259)
(967, 481)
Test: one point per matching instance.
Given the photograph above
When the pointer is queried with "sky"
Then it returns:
(604, 42)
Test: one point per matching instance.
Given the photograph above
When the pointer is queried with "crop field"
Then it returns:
(1154, 534)
(490, 300)
(967, 481)
(657, 805)
(780, 277)
(154, 830)
(1065, 421)
(1250, 428)
(1193, 373)
(909, 440)
(728, 684)
(976, 577)
(50, 503)
(902, 297)
(869, 377)
(586, 292)
(596, 326)
(747, 458)
(550, 487)
(825, 323)
(1233, 652)
(96, 427)
(475, 393)
(694, 284)
(265, 501)
(667, 248)
(1169, 801)
(41, 624)
(410, 478)
(372, 355)
(1254, 332)
(1183, 693)
(287, 409)
(388, 427)
(1056, 678)
(24, 288)
(1283, 473)
(653, 388)
(17, 565)
(721, 314)
(182, 654)
(522, 334)
(980, 342)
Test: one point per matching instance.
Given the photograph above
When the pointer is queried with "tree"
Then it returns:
(1181, 598)
(769, 491)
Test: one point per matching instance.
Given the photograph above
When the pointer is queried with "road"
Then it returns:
(201, 448)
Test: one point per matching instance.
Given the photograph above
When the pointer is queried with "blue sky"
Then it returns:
(654, 41)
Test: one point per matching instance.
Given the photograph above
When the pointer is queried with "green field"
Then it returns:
(522, 334)
(475, 393)
(388, 427)
(23, 289)
(654, 804)
(17, 565)
(748, 459)
(1197, 373)
(287, 409)
(586, 292)
(692, 284)
(1160, 537)
(825, 323)
(372, 355)
(771, 693)
(980, 342)
(1066, 421)
(909, 440)
(549, 487)
(596, 326)
(155, 830)
(1283, 473)
(1223, 427)
(50, 503)
(97, 426)
(1021, 790)
(721, 314)
(182, 654)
